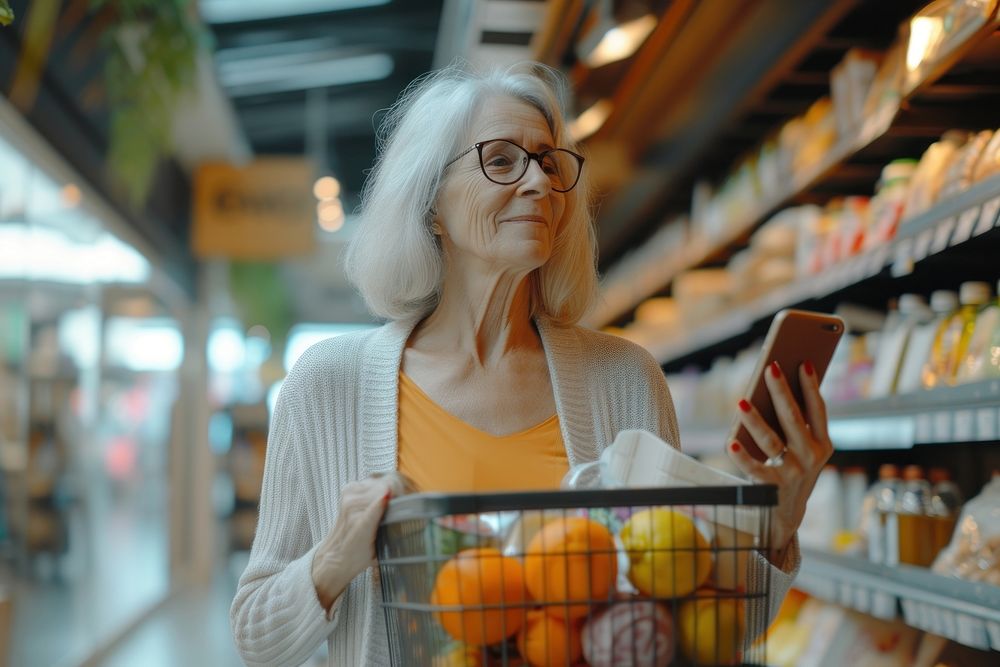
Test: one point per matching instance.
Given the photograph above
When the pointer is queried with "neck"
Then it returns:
(484, 317)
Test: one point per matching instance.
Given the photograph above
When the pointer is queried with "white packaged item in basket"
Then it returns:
(640, 459)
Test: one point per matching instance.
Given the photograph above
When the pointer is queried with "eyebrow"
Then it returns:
(543, 146)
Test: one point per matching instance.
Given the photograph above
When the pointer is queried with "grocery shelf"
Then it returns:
(948, 223)
(625, 287)
(963, 611)
(965, 413)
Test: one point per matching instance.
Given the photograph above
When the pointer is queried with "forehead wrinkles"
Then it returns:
(512, 119)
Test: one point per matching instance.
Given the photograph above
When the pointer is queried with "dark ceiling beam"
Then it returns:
(346, 114)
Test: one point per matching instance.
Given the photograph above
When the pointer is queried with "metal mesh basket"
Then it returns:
(599, 577)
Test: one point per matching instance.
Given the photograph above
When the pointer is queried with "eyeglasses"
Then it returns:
(505, 163)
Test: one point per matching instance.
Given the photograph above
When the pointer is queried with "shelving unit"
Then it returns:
(966, 413)
(966, 612)
(632, 281)
(949, 223)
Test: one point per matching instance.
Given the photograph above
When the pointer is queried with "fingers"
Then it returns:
(750, 466)
(815, 405)
(763, 435)
(787, 410)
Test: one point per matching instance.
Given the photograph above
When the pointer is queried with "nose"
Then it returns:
(535, 182)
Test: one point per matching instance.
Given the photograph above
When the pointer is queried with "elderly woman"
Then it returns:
(476, 243)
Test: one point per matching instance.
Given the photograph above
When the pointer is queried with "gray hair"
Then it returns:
(393, 258)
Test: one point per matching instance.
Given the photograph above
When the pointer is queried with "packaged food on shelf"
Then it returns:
(818, 135)
(823, 518)
(960, 173)
(854, 482)
(989, 160)
(918, 350)
(982, 359)
(930, 173)
(886, 90)
(886, 207)
(702, 293)
(974, 550)
(849, 84)
(769, 175)
(911, 312)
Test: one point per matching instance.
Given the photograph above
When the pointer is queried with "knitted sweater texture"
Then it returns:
(335, 421)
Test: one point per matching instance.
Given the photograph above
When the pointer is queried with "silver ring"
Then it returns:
(776, 461)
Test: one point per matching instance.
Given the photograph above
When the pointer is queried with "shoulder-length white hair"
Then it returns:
(394, 259)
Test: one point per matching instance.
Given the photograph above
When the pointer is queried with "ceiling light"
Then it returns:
(924, 34)
(621, 41)
(590, 120)
(326, 187)
(330, 214)
(319, 74)
(234, 11)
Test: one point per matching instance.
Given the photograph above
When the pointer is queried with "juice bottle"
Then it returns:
(918, 350)
(974, 296)
(945, 505)
(982, 356)
(912, 508)
(938, 367)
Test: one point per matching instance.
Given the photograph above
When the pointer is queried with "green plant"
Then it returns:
(153, 50)
(6, 13)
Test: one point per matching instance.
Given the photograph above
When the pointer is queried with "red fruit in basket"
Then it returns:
(478, 578)
(635, 633)
(548, 640)
(571, 560)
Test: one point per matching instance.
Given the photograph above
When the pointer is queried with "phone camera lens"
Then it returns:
(833, 327)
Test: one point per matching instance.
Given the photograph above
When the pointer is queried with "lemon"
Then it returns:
(710, 631)
(668, 556)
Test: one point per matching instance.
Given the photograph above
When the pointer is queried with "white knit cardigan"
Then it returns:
(336, 421)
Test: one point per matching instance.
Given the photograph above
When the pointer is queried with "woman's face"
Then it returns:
(507, 227)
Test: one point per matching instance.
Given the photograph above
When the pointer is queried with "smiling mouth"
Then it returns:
(541, 221)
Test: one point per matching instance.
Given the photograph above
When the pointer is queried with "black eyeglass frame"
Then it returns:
(537, 157)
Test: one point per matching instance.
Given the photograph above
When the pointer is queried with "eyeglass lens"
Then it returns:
(505, 163)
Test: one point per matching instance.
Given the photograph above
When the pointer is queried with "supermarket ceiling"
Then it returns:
(693, 84)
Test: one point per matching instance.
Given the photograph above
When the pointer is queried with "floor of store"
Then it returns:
(191, 629)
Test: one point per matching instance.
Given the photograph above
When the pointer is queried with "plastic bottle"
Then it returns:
(915, 543)
(879, 506)
(945, 504)
(823, 518)
(854, 481)
(974, 297)
(953, 336)
(982, 357)
(918, 350)
(911, 312)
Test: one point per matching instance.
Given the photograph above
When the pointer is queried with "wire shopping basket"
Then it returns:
(639, 577)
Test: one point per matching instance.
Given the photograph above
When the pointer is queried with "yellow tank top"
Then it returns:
(440, 452)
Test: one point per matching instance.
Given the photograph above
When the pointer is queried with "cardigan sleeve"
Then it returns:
(276, 616)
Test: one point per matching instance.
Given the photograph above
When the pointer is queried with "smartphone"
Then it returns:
(794, 337)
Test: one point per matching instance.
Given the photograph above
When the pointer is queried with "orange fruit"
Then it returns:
(549, 641)
(475, 578)
(571, 560)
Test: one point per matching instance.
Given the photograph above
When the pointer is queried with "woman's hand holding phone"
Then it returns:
(795, 461)
(780, 435)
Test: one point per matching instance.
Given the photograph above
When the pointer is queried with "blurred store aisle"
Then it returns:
(191, 628)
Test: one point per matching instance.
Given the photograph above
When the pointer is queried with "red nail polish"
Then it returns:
(735, 446)
(744, 405)
(808, 367)
(775, 371)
